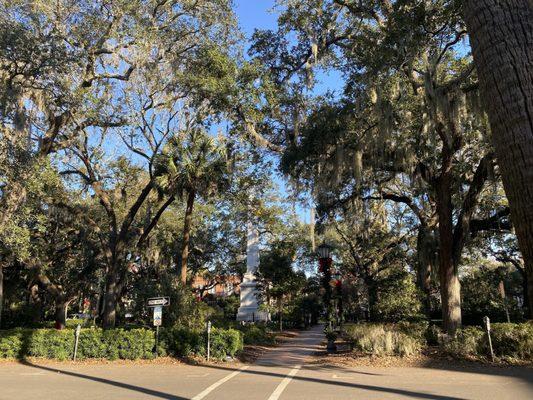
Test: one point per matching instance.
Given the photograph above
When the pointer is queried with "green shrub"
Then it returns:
(11, 343)
(93, 343)
(468, 342)
(256, 334)
(127, 344)
(417, 330)
(184, 342)
(225, 342)
(513, 340)
(51, 343)
(381, 339)
(509, 341)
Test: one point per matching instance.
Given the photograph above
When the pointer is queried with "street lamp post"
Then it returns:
(325, 262)
(338, 294)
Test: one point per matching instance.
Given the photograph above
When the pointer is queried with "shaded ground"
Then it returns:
(290, 371)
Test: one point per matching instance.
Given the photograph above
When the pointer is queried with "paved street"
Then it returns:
(280, 374)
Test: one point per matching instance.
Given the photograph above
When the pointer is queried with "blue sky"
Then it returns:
(255, 14)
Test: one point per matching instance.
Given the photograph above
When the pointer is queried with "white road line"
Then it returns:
(201, 395)
(283, 384)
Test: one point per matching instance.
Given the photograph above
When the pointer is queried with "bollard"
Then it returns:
(208, 340)
(486, 321)
(76, 338)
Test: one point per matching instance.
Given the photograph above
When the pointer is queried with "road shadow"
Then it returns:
(26, 339)
(127, 386)
(379, 389)
(524, 373)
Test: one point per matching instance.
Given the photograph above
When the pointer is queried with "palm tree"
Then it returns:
(192, 165)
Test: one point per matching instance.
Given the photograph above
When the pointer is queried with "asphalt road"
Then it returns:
(281, 374)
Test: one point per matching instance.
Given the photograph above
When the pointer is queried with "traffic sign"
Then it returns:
(158, 301)
(158, 315)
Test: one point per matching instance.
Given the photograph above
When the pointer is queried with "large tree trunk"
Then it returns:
(36, 304)
(110, 301)
(61, 313)
(372, 289)
(186, 237)
(450, 287)
(501, 36)
(280, 309)
(425, 249)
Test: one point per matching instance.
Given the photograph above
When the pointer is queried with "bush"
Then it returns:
(93, 343)
(256, 334)
(11, 343)
(514, 341)
(380, 340)
(466, 343)
(51, 343)
(509, 341)
(184, 342)
(225, 342)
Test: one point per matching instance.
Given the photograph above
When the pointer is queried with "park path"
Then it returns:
(285, 373)
(272, 373)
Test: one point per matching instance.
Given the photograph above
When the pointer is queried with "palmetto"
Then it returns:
(193, 164)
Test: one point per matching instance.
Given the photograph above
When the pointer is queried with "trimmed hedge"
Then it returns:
(183, 342)
(93, 343)
(11, 343)
(117, 343)
(257, 334)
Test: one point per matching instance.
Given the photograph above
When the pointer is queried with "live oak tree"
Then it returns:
(77, 84)
(411, 100)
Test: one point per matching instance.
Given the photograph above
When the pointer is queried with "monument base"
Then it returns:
(249, 309)
(248, 314)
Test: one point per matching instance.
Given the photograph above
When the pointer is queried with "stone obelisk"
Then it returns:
(250, 296)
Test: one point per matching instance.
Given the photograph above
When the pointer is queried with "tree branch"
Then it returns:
(462, 227)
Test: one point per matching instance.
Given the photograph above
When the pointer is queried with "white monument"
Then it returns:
(249, 309)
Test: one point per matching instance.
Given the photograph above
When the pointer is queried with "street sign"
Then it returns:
(486, 320)
(158, 315)
(158, 302)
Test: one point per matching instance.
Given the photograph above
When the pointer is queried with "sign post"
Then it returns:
(158, 319)
(486, 321)
(157, 303)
